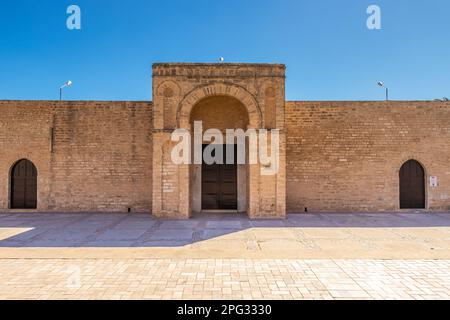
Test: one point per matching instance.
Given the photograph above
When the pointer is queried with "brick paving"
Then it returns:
(323, 256)
(223, 279)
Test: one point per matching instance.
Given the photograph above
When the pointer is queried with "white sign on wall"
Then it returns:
(433, 182)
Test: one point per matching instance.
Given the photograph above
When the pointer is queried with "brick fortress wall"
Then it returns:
(90, 156)
(341, 156)
(346, 156)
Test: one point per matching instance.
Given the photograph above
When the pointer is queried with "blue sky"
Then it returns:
(329, 52)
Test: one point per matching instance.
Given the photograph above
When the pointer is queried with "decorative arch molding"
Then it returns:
(168, 85)
(168, 93)
(219, 89)
(270, 91)
(270, 108)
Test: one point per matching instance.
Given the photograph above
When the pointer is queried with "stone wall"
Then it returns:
(340, 156)
(90, 156)
(346, 156)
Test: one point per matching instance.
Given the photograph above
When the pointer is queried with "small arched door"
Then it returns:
(412, 186)
(24, 185)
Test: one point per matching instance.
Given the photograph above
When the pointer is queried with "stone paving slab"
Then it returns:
(172, 234)
(301, 236)
(223, 279)
(313, 256)
(125, 234)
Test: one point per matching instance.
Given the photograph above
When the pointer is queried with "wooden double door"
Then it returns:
(412, 186)
(24, 185)
(219, 184)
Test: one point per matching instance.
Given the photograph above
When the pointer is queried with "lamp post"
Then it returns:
(67, 84)
(381, 84)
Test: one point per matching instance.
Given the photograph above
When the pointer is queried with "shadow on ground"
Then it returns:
(76, 230)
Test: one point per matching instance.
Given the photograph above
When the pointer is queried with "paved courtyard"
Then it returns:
(307, 256)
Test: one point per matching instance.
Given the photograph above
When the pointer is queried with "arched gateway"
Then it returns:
(224, 96)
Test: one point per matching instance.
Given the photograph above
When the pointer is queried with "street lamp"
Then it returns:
(67, 84)
(381, 84)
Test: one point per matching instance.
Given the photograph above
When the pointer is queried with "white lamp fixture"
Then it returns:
(381, 84)
(67, 84)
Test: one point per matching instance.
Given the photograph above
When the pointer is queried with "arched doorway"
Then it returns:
(24, 185)
(219, 186)
(412, 185)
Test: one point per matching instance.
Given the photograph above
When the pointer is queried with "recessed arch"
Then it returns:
(23, 181)
(218, 89)
(219, 186)
(412, 185)
(167, 86)
(220, 112)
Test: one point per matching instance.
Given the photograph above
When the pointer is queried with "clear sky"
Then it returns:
(329, 51)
